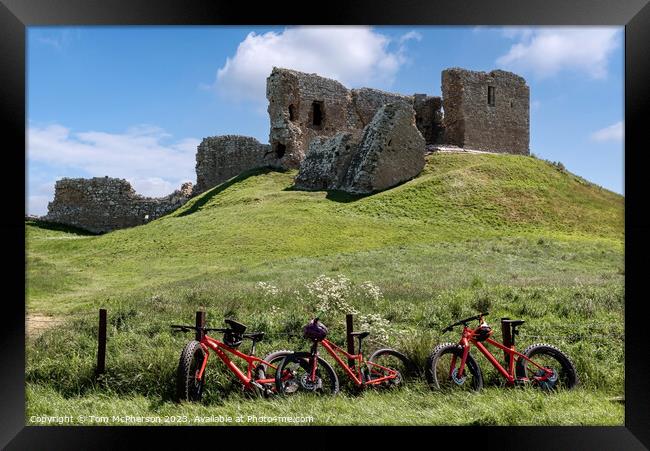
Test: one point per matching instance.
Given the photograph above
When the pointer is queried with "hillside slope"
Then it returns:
(257, 219)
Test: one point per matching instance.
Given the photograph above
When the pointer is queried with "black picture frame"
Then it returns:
(16, 15)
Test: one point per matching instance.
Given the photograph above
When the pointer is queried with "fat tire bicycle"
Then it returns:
(451, 366)
(309, 372)
(258, 377)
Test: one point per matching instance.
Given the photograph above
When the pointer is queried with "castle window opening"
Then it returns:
(491, 96)
(292, 113)
(317, 113)
(280, 150)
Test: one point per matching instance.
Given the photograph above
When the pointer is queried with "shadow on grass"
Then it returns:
(209, 194)
(59, 227)
(344, 197)
(334, 195)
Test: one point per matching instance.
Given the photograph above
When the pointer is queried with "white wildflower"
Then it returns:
(268, 290)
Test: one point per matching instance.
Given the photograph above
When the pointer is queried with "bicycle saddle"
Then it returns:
(255, 336)
(360, 335)
(514, 322)
(236, 327)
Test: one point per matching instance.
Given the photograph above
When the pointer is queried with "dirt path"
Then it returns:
(36, 324)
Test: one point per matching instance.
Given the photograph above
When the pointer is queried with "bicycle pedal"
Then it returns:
(258, 387)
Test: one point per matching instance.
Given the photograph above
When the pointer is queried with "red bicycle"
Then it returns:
(190, 379)
(308, 372)
(451, 365)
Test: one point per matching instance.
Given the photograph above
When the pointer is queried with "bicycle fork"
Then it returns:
(313, 364)
(464, 343)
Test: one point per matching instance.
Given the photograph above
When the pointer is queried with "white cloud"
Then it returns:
(144, 155)
(59, 39)
(411, 35)
(548, 51)
(614, 132)
(352, 55)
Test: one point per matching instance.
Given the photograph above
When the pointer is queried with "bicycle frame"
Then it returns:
(336, 353)
(468, 339)
(221, 349)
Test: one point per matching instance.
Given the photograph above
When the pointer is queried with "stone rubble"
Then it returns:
(388, 152)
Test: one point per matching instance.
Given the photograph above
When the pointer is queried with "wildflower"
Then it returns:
(268, 290)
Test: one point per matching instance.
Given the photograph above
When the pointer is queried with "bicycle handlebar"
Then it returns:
(464, 321)
(186, 328)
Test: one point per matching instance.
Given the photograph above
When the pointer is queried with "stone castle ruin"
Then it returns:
(305, 106)
(356, 140)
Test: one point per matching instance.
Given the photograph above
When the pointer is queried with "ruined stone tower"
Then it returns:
(486, 110)
(303, 106)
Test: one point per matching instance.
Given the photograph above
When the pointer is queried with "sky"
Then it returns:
(134, 102)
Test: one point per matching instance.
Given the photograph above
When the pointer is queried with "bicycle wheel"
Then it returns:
(564, 371)
(188, 387)
(394, 360)
(294, 375)
(263, 371)
(443, 365)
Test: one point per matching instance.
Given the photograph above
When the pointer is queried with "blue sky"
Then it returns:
(134, 102)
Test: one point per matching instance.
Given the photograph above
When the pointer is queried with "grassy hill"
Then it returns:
(514, 234)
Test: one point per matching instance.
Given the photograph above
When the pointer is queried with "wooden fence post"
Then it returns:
(101, 343)
(349, 339)
(200, 323)
(506, 340)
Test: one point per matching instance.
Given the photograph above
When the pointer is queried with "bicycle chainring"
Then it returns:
(397, 380)
(308, 385)
(546, 383)
(456, 379)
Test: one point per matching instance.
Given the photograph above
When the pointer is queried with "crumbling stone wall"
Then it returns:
(428, 117)
(303, 106)
(102, 204)
(327, 162)
(486, 110)
(294, 98)
(389, 151)
(219, 158)
(367, 101)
